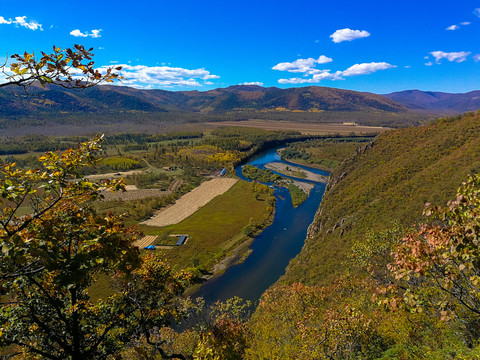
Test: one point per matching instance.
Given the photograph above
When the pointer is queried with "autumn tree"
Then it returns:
(54, 246)
(436, 267)
(70, 68)
(224, 335)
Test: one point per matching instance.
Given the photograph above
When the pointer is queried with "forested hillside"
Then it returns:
(116, 99)
(389, 179)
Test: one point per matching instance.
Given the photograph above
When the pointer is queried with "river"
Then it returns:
(273, 248)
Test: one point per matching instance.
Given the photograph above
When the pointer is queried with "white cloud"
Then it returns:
(4, 21)
(141, 76)
(316, 78)
(348, 35)
(450, 56)
(77, 33)
(302, 65)
(429, 63)
(94, 33)
(32, 25)
(366, 68)
(476, 57)
(407, 66)
(258, 83)
(21, 21)
(453, 27)
(357, 69)
(456, 27)
(324, 59)
(477, 12)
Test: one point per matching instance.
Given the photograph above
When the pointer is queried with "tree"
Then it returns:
(224, 336)
(436, 267)
(54, 246)
(68, 68)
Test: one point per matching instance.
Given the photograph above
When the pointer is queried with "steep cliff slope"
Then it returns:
(389, 179)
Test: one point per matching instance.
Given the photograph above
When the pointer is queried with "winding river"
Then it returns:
(274, 247)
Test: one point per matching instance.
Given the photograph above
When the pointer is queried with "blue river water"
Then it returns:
(273, 248)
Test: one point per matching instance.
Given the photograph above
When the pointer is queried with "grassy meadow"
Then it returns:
(217, 227)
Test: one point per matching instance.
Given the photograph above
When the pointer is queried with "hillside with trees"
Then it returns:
(387, 270)
(107, 98)
(389, 179)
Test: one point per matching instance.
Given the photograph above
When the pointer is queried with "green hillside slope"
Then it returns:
(389, 179)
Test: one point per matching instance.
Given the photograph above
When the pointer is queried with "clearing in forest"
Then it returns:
(191, 202)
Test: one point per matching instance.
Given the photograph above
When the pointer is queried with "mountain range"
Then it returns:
(234, 98)
(434, 100)
(237, 99)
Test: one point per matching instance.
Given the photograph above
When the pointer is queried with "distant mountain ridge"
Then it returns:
(309, 104)
(435, 100)
(109, 99)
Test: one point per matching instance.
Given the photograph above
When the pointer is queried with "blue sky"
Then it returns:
(375, 46)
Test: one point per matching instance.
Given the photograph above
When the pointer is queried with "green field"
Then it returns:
(216, 228)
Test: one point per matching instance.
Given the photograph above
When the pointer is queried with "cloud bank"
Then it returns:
(348, 35)
(354, 70)
(21, 21)
(142, 76)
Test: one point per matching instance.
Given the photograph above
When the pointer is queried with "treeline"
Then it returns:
(119, 164)
(32, 144)
(139, 139)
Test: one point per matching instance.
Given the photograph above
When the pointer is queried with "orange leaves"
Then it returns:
(69, 68)
(438, 264)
